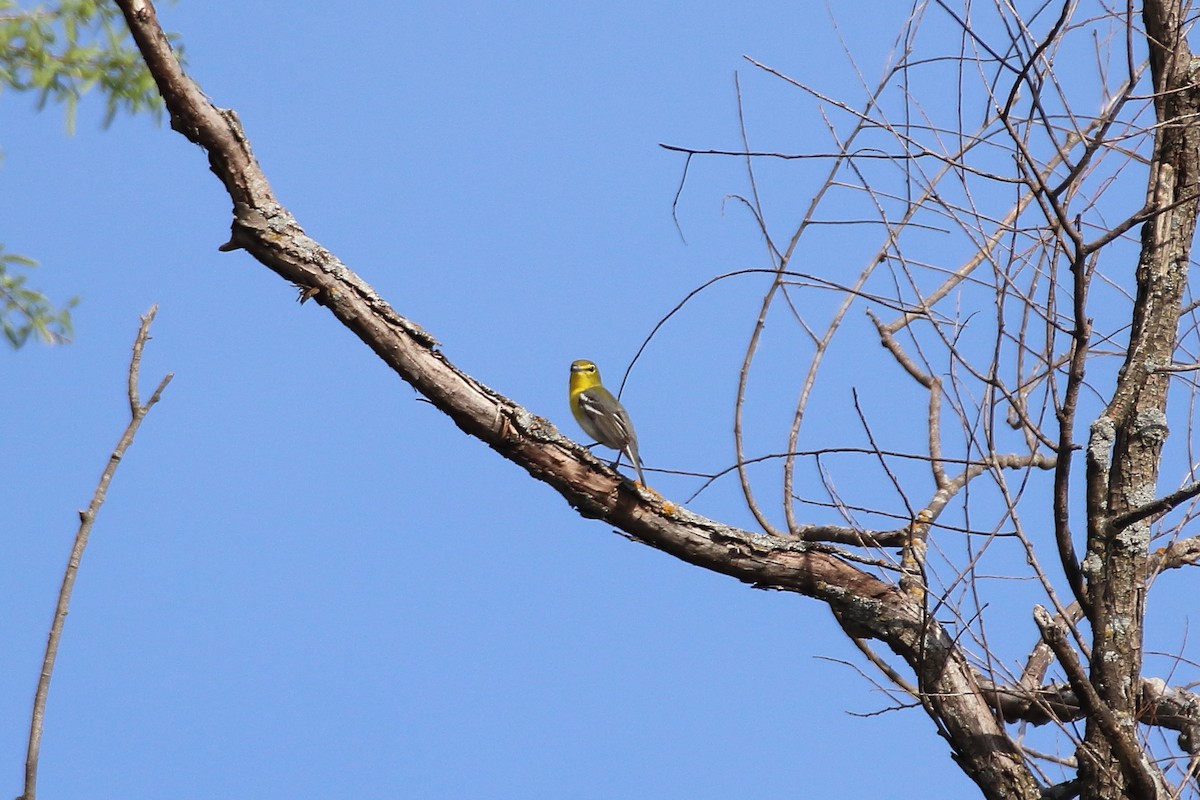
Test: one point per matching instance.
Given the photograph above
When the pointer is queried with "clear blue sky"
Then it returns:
(306, 583)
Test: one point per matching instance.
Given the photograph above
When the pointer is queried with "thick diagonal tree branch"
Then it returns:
(872, 607)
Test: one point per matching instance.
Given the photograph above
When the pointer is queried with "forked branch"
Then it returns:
(87, 519)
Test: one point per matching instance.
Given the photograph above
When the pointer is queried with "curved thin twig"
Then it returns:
(87, 518)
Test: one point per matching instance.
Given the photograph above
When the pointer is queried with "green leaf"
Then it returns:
(65, 48)
(25, 311)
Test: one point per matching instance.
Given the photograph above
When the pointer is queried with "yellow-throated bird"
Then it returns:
(601, 415)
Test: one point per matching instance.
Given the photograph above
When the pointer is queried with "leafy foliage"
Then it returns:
(25, 311)
(62, 50)
(65, 49)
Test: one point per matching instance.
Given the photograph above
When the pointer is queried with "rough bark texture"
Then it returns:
(1126, 442)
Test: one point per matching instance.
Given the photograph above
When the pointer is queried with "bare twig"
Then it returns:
(87, 519)
(1156, 507)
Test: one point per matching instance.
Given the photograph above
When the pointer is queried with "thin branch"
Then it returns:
(87, 519)
(1155, 508)
(865, 153)
(1178, 554)
(1081, 334)
(1123, 742)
